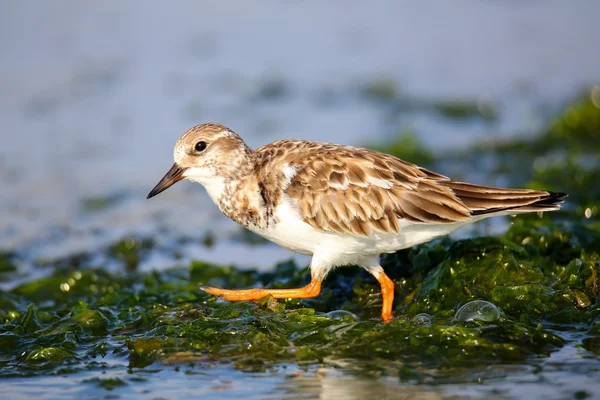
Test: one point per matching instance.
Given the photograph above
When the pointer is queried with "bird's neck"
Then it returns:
(236, 190)
(241, 200)
(226, 176)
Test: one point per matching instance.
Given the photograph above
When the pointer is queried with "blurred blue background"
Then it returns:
(93, 96)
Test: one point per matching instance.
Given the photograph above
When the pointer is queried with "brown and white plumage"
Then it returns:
(358, 191)
(341, 204)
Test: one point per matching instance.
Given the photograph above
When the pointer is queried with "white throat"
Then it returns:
(214, 185)
(215, 188)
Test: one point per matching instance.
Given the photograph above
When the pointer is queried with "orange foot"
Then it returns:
(310, 290)
(387, 292)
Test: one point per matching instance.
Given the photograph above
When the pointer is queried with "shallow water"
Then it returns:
(94, 95)
(558, 377)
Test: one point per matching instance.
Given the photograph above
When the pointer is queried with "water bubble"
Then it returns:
(338, 315)
(422, 319)
(478, 310)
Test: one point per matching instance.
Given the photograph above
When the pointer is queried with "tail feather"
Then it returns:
(488, 200)
(551, 202)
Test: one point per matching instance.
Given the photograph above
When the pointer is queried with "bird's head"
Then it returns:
(205, 153)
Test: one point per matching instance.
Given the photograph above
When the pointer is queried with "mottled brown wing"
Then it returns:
(359, 191)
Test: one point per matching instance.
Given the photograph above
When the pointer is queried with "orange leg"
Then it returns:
(387, 292)
(310, 290)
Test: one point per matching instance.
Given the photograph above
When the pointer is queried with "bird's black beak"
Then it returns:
(174, 175)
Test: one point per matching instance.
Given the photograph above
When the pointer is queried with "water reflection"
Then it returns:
(565, 374)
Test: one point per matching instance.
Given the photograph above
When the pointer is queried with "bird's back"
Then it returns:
(359, 192)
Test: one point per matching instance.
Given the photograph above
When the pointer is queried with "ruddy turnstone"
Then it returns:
(343, 205)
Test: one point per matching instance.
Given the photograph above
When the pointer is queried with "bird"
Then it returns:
(342, 205)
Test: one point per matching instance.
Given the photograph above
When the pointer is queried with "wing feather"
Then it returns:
(359, 191)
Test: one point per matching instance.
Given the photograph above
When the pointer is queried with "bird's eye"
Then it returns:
(200, 146)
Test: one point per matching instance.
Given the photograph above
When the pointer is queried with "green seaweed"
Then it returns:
(407, 147)
(7, 266)
(380, 90)
(108, 383)
(460, 110)
(130, 251)
(535, 273)
(97, 204)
